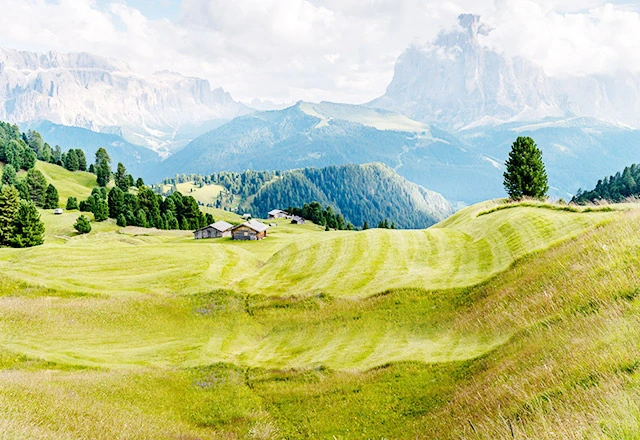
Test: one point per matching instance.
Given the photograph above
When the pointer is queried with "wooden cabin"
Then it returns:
(297, 220)
(278, 213)
(216, 230)
(251, 230)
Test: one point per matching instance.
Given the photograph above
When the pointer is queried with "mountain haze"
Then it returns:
(160, 111)
(459, 81)
(319, 135)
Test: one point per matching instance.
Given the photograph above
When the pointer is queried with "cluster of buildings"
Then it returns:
(278, 213)
(249, 230)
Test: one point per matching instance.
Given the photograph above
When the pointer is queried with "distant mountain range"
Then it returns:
(446, 121)
(139, 160)
(457, 82)
(162, 111)
(319, 135)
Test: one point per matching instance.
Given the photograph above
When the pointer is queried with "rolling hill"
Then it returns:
(503, 321)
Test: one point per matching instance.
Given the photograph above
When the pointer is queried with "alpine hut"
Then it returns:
(216, 230)
(278, 213)
(251, 230)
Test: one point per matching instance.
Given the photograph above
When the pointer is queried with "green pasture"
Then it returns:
(500, 322)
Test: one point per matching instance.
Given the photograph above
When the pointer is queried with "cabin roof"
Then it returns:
(277, 211)
(255, 225)
(221, 226)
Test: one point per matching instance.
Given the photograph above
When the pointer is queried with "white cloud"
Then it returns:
(342, 50)
(603, 39)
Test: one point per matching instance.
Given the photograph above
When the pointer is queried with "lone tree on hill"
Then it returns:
(525, 175)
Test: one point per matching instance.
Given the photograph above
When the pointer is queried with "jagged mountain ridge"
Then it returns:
(104, 95)
(458, 82)
(324, 134)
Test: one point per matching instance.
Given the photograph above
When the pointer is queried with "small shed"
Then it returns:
(246, 216)
(297, 220)
(216, 230)
(278, 213)
(251, 230)
(57, 211)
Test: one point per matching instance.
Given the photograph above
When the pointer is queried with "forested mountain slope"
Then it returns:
(361, 193)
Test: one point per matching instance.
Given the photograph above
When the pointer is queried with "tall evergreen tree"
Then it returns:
(9, 176)
(35, 142)
(51, 198)
(116, 202)
(82, 160)
(102, 167)
(37, 186)
(71, 161)
(9, 204)
(28, 229)
(121, 177)
(525, 175)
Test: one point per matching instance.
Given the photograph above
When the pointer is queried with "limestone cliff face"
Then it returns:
(457, 81)
(104, 95)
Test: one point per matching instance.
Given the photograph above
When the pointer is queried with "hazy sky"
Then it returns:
(339, 50)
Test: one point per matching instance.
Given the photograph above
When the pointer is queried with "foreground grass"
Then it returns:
(561, 357)
(496, 323)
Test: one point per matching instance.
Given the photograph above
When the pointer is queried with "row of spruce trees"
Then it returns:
(132, 203)
(614, 188)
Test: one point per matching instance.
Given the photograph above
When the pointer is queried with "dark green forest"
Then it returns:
(369, 193)
(614, 188)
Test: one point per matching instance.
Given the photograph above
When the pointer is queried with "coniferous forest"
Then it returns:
(614, 188)
(370, 193)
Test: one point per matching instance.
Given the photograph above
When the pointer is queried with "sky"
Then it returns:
(336, 50)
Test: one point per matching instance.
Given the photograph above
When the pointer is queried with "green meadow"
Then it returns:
(496, 323)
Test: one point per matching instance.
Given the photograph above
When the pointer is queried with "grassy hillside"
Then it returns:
(497, 323)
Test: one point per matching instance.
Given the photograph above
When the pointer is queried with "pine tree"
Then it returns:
(28, 230)
(82, 225)
(9, 204)
(71, 161)
(72, 203)
(102, 168)
(121, 221)
(101, 210)
(37, 186)
(525, 175)
(51, 198)
(121, 177)
(116, 202)
(27, 159)
(9, 176)
(82, 160)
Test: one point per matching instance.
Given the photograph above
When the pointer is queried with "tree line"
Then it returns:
(359, 193)
(614, 188)
(141, 207)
